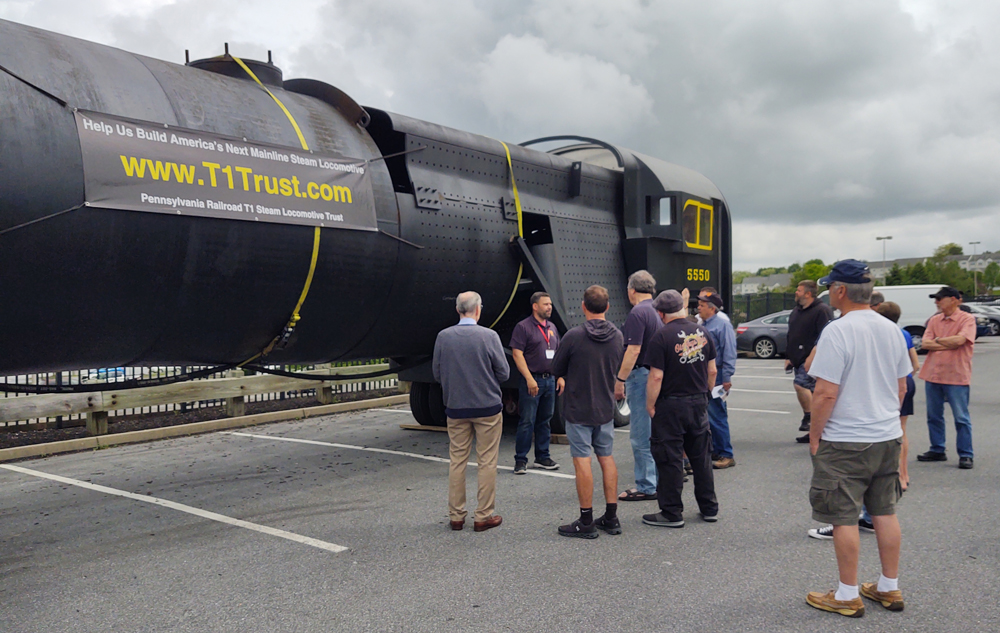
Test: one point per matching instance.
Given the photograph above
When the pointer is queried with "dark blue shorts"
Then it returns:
(804, 380)
(911, 389)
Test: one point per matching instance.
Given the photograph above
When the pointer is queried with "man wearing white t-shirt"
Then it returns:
(860, 369)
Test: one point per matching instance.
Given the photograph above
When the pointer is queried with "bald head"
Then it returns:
(468, 303)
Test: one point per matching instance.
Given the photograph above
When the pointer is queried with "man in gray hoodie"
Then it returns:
(585, 364)
(470, 364)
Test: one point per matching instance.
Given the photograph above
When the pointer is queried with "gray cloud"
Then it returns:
(833, 117)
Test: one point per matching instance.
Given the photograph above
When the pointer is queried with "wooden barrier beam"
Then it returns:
(236, 388)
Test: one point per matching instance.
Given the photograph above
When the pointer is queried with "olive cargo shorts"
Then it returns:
(847, 474)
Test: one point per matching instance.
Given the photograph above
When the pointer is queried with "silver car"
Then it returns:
(766, 337)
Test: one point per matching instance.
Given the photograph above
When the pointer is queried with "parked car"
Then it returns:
(766, 337)
(992, 317)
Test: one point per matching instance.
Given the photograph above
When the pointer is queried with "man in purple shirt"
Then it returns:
(641, 324)
(533, 345)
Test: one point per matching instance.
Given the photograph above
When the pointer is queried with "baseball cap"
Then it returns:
(946, 291)
(714, 299)
(668, 302)
(847, 271)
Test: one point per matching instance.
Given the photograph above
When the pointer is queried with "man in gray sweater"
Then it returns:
(470, 364)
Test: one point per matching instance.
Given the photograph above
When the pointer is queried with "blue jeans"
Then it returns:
(536, 412)
(958, 397)
(718, 420)
(640, 427)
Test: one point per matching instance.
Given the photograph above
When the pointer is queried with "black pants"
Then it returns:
(681, 425)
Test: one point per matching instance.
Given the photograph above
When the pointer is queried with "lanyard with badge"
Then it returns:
(549, 353)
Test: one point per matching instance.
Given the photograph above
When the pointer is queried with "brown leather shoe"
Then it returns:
(458, 525)
(891, 600)
(828, 602)
(492, 522)
(723, 462)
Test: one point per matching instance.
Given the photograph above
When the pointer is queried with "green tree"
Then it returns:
(917, 274)
(813, 269)
(951, 248)
(794, 268)
(951, 274)
(991, 276)
(740, 275)
(895, 276)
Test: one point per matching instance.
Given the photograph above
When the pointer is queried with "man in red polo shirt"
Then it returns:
(949, 340)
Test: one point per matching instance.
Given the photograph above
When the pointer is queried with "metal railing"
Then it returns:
(750, 307)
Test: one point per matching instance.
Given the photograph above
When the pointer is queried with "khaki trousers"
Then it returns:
(487, 432)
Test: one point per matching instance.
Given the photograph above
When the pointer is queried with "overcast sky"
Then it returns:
(824, 123)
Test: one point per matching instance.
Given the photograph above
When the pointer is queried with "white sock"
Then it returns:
(887, 584)
(847, 592)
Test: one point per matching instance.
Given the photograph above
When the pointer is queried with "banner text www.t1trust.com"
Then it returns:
(244, 179)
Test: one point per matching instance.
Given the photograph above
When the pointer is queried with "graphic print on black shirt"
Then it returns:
(682, 350)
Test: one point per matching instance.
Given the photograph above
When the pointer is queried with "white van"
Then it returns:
(914, 303)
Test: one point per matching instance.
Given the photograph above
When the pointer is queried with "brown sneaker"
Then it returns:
(492, 522)
(723, 462)
(828, 602)
(891, 600)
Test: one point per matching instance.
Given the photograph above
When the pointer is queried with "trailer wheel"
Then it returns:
(623, 413)
(419, 392)
(435, 405)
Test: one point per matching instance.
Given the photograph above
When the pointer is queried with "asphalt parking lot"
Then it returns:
(340, 523)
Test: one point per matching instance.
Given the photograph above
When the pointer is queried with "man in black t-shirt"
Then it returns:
(682, 372)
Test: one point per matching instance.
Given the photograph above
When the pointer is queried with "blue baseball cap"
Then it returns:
(847, 271)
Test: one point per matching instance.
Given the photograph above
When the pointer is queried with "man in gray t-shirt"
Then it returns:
(855, 437)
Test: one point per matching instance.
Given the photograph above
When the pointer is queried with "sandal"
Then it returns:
(635, 495)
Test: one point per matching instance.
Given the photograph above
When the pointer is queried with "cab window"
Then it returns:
(698, 224)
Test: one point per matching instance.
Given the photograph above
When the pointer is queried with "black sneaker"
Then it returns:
(546, 463)
(865, 526)
(803, 440)
(709, 518)
(611, 526)
(824, 533)
(520, 468)
(932, 456)
(661, 521)
(577, 529)
(806, 423)
(965, 463)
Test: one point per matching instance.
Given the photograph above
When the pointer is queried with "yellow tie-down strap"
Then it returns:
(294, 319)
(520, 232)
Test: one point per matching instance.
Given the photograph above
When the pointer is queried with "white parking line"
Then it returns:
(392, 410)
(430, 458)
(787, 392)
(741, 376)
(205, 514)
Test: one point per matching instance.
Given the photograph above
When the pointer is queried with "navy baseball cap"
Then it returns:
(847, 271)
(714, 299)
(946, 291)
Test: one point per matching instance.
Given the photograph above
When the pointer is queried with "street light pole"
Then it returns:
(975, 273)
(883, 239)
